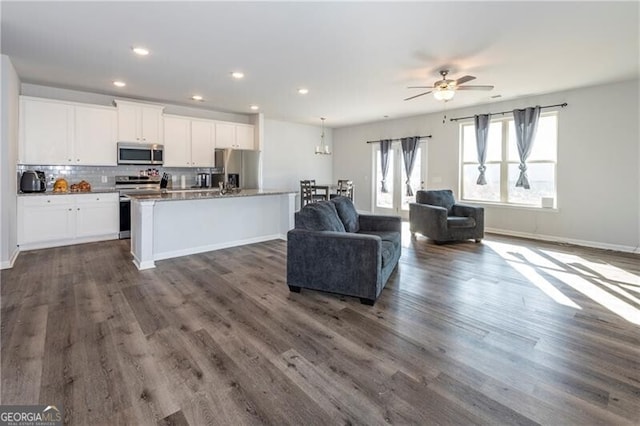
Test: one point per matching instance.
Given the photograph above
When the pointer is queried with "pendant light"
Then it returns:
(323, 148)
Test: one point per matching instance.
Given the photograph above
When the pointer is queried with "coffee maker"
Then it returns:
(203, 180)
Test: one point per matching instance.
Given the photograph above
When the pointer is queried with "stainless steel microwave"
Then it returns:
(138, 153)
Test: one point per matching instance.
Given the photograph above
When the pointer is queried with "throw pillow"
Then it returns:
(347, 213)
(320, 216)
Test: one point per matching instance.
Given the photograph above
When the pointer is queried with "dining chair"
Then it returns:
(308, 193)
(344, 188)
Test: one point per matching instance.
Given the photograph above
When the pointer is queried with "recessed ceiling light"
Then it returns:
(237, 75)
(303, 91)
(139, 50)
(197, 98)
(119, 83)
(254, 107)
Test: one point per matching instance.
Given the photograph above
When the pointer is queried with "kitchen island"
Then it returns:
(177, 223)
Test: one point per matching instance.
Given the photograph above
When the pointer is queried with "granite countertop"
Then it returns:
(50, 192)
(189, 194)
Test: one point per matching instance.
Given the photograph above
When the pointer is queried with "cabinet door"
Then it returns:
(245, 137)
(128, 123)
(177, 142)
(202, 147)
(45, 218)
(150, 120)
(46, 132)
(97, 214)
(225, 135)
(95, 136)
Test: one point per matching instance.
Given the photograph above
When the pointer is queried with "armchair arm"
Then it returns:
(340, 262)
(428, 220)
(369, 222)
(476, 213)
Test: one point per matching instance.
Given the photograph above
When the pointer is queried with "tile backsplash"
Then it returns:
(96, 174)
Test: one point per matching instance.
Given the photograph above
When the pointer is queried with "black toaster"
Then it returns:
(33, 181)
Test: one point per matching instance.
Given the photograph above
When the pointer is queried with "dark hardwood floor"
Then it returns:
(509, 331)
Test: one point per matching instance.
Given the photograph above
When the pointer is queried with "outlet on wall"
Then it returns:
(104, 179)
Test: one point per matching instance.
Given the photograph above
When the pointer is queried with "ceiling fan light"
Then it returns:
(443, 94)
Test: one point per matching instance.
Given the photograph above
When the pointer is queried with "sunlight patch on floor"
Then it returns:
(510, 252)
(603, 283)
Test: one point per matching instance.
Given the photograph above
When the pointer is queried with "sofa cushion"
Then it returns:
(442, 198)
(320, 216)
(393, 237)
(391, 242)
(388, 251)
(460, 222)
(347, 213)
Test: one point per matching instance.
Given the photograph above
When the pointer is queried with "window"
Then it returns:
(503, 161)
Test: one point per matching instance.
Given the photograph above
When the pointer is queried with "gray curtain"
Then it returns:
(526, 124)
(385, 144)
(482, 134)
(409, 148)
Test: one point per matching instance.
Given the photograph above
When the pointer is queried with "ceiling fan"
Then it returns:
(445, 89)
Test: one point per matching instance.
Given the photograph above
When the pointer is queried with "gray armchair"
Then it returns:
(335, 249)
(436, 215)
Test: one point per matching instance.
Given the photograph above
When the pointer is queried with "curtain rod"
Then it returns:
(506, 112)
(395, 140)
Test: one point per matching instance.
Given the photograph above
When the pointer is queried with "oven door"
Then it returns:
(125, 217)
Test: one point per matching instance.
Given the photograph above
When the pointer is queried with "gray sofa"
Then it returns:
(436, 215)
(332, 248)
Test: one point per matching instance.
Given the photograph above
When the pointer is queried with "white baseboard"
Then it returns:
(551, 238)
(212, 247)
(67, 242)
(8, 264)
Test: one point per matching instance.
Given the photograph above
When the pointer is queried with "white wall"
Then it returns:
(598, 165)
(288, 155)
(9, 107)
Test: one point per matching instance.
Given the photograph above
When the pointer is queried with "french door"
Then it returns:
(396, 201)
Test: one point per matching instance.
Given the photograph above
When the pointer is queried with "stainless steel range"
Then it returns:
(133, 185)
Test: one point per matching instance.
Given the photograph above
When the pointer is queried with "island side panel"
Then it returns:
(195, 226)
(142, 233)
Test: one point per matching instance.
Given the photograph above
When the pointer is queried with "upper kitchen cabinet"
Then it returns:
(202, 145)
(188, 142)
(64, 133)
(234, 135)
(94, 135)
(177, 141)
(139, 122)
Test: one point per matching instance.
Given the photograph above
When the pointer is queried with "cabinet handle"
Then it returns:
(70, 209)
(78, 160)
(69, 159)
(78, 208)
(48, 201)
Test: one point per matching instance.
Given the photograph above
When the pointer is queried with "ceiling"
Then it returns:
(355, 58)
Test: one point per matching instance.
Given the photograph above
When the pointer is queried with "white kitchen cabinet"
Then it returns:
(65, 133)
(95, 136)
(188, 142)
(97, 214)
(43, 219)
(177, 141)
(245, 137)
(138, 122)
(55, 220)
(202, 145)
(46, 132)
(225, 135)
(234, 135)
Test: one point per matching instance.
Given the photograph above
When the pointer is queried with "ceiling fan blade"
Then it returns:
(474, 88)
(416, 96)
(418, 87)
(464, 79)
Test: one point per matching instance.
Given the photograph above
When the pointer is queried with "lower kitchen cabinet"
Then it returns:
(56, 220)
